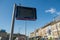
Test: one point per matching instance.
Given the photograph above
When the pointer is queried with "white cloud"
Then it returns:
(51, 10)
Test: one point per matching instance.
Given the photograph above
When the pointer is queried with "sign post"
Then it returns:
(12, 23)
(22, 13)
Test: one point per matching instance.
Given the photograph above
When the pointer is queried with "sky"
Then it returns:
(46, 11)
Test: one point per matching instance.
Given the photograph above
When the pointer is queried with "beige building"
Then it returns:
(51, 29)
(32, 34)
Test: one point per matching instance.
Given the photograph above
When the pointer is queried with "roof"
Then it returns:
(56, 19)
(51, 23)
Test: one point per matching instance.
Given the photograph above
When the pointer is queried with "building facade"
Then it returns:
(50, 30)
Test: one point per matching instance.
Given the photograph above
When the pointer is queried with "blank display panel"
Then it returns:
(25, 13)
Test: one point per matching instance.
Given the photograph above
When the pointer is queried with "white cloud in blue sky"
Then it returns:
(52, 11)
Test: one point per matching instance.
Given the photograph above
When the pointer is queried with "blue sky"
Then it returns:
(46, 11)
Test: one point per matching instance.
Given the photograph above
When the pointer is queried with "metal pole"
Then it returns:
(12, 23)
(25, 29)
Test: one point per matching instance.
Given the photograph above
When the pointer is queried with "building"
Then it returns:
(50, 30)
(3, 34)
(32, 35)
(20, 36)
(17, 35)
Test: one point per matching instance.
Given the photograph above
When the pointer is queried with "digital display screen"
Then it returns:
(25, 13)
